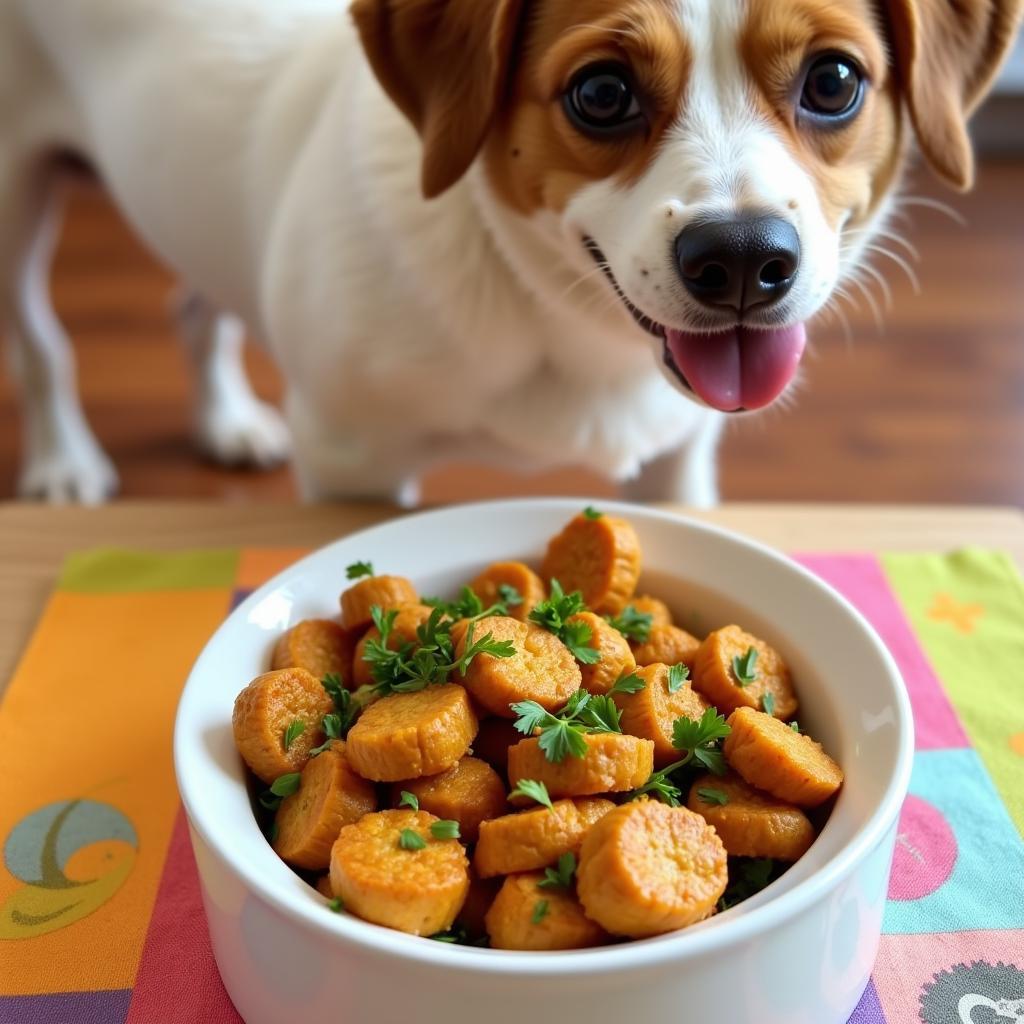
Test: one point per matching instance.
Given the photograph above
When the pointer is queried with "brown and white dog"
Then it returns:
(536, 231)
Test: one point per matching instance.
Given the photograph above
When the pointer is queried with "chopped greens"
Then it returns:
(358, 569)
(768, 703)
(282, 786)
(591, 513)
(293, 732)
(747, 877)
(445, 829)
(562, 876)
(336, 905)
(627, 684)
(532, 789)
(743, 667)
(540, 911)
(409, 800)
(553, 615)
(408, 839)
(713, 796)
(633, 625)
(562, 734)
(677, 675)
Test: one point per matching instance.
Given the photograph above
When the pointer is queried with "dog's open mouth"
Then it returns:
(738, 369)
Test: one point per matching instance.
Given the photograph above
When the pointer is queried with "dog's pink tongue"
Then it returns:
(739, 369)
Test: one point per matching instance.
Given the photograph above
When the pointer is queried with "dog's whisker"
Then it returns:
(599, 270)
(934, 204)
(912, 249)
(915, 281)
(868, 298)
(883, 285)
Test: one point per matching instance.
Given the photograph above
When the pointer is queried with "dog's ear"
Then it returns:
(445, 64)
(947, 52)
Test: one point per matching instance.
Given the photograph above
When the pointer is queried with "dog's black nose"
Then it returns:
(739, 264)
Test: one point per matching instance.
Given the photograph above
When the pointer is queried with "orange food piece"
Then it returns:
(535, 838)
(330, 795)
(324, 887)
(513, 574)
(542, 669)
(772, 757)
(320, 646)
(409, 735)
(385, 591)
(266, 708)
(469, 792)
(492, 743)
(751, 823)
(523, 916)
(415, 891)
(653, 606)
(647, 868)
(599, 557)
(613, 763)
(667, 645)
(651, 712)
(616, 657)
(409, 618)
(713, 674)
(478, 901)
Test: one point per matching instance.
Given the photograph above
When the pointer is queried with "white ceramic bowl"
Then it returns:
(799, 952)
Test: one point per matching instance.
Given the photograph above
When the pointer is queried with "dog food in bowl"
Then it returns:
(616, 795)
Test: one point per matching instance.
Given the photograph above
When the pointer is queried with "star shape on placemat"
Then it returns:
(961, 616)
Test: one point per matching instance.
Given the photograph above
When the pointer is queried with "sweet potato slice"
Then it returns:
(324, 887)
(714, 674)
(750, 823)
(487, 586)
(414, 890)
(613, 763)
(535, 838)
(263, 712)
(651, 712)
(647, 868)
(478, 901)
(542, 669)
(320, 646)
(773, 757)
(492, 743)
(667, 645)
(616, 657)
(409, 618)
(330, 795)
(523, 916)
(599, 557)
(653, 606)
(409, 735)
(384, 591)
(469, 792)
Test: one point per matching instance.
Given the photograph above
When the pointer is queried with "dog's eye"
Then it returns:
(833, 87)
(600, 99)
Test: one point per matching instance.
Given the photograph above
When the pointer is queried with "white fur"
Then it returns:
(251, 147)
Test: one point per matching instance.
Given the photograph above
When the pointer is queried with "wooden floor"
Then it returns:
(930, 407)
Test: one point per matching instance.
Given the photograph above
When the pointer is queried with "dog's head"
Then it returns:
(724, 161)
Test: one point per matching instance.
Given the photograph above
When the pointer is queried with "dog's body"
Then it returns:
(250, 144)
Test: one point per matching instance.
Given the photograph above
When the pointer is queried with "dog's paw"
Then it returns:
(69, 477)
(248, 433)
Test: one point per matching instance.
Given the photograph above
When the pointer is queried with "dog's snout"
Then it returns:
(739, 264)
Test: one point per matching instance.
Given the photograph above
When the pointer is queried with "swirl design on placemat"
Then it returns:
(72, 856)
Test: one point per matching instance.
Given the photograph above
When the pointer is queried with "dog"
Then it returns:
(537, 232)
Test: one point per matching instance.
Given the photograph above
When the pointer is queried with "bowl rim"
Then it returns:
(688, 943)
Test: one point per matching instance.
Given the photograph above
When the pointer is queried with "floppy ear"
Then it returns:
(947, 52)
(445, 65)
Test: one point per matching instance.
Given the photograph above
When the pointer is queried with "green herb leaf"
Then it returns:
(293, 732)
(359, 569)
(409, 800)
(336, 905)
(688, 734)
(627, 684)
(540, 911)
(591, 513)
(530, 716)
(533, 790)
(562, 740)
(411, 840)
(577, 636)
(445, 830)
(563, 734)
(347, 708)
(633, 625)
(677, 675)
(747, 877)
(560, 877)
(601, 715)
(286, 785)
(509, 596)
(768, 703)
(713, 796)
(458, 936)
(794, 725)
(743, 667)
(553, 615)
(660, 786)
(713, 760)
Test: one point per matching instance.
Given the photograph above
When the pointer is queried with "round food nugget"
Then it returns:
(384, 591)
(613, 763)
(653, 606)
(320, 646)
(478, 901)
(616, 657)
(266, 708)
(469, 792)
(750, 823)
(714, 674)
(492, 741)
(330, 795)
(667, 645)
(419, 891)
(773, 757)
(323, 886)
(599, 557)
(523, 916)
(535, 838)
(409, 618)
(530, 587)
(542, 669)
(409, 735)
(652, 711)
(647, 868)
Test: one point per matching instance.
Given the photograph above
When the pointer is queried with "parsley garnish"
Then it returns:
(469, 606)
(282, 786)
(633, 625)
(411, 840)
(358, 569)
(509, 596)
(293, 732)
(768, 703)
(458, 936)
(713, 796)
(348, 707)
(627, 684)
(560, 877)
(540, 911)
(794, 725)
(743, 667)
(409, 800)
(445, 830)
(562, 734)
(677, 675)
(533, 790)
(591, 513)
(336, 905)
(553, 615)
(747, 876)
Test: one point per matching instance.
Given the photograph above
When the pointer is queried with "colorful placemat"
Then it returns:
(100, 915)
